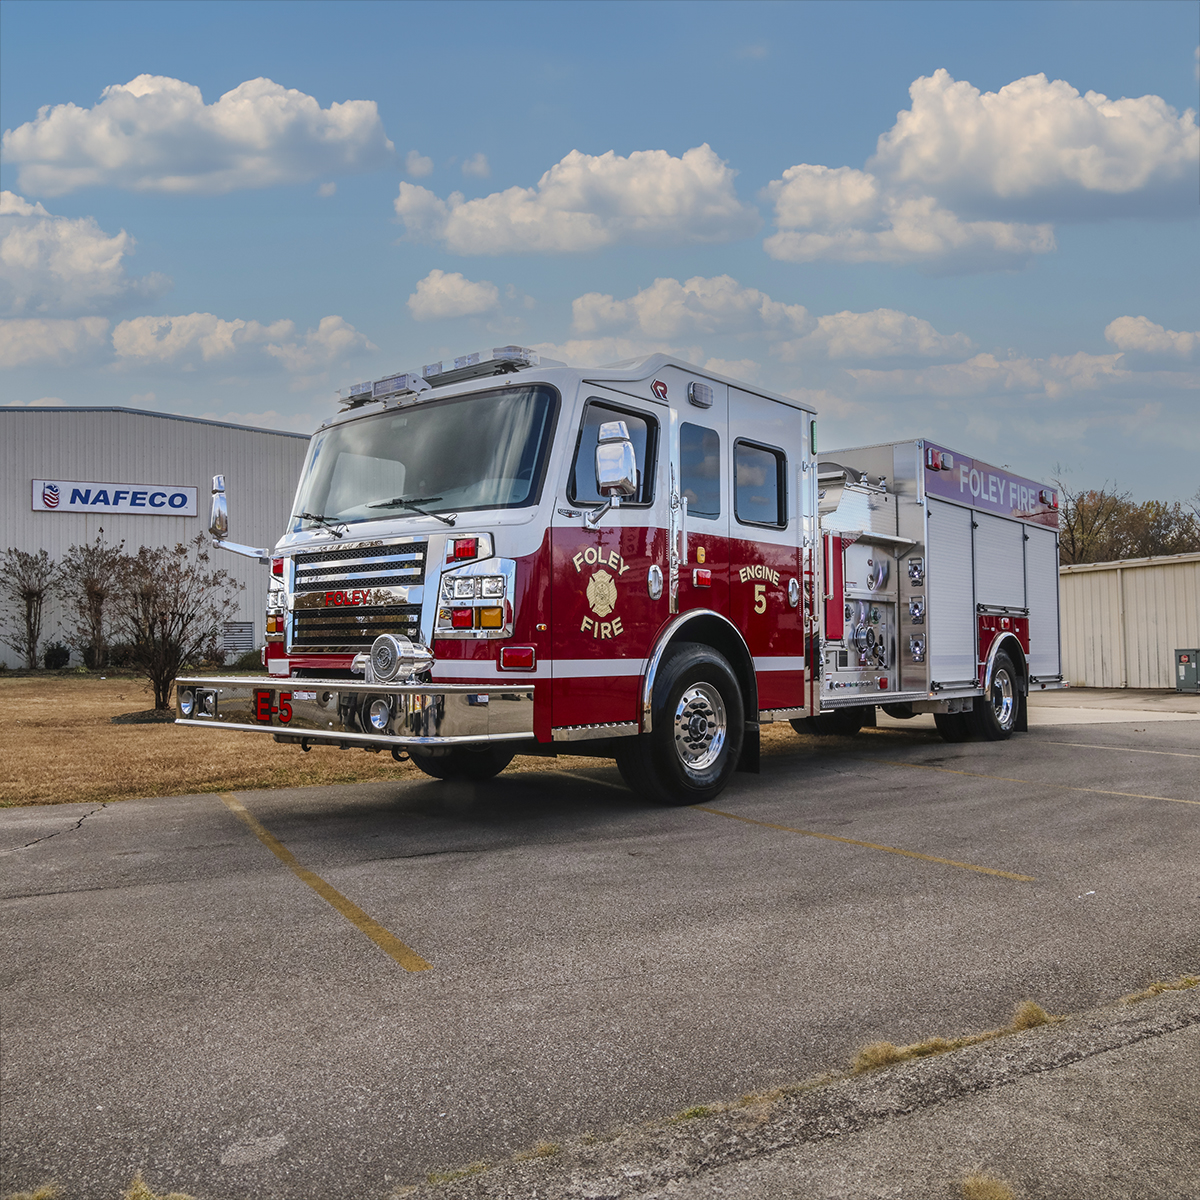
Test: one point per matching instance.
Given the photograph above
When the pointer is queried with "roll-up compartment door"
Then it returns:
(951, 595)
(999, 561)
(1041, 566)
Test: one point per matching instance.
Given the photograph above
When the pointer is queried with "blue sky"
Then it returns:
(975, 222)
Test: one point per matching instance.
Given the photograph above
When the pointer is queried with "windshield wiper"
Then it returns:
(411, 505)
(337, 528)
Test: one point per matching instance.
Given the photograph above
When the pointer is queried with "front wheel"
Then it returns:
(995, 715)
(460, 762)
(698, 726)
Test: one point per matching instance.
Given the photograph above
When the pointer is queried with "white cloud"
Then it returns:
(984, 374)
(586, 202)
(63, 265)
(1143, 336)
(1039, 142)
(209, 339)
(417, 164)
(668, 308)
(847, 216)
(884, 333)
(477, 166)
(721, 306)
(156, 134)
(326, 190)
(28, 342)
(967, 180)
(439, 295)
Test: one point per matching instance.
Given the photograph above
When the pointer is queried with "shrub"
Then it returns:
(57, 656)
(250, 661)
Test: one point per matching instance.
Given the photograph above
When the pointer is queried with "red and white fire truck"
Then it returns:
(646, 561)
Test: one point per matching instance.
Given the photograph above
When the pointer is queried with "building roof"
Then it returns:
(144, 412)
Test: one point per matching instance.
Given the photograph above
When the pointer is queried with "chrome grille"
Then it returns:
(378, 568)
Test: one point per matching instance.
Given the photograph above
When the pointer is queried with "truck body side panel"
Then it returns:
(1041, 558)
(999, 561)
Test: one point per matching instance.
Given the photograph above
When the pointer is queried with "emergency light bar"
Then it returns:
(500, 361)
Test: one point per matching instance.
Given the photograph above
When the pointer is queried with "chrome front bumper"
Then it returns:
(339, 711)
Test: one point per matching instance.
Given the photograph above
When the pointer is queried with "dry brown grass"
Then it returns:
(46, 1191)
(60, 747)
(979, 1185)
(1157, 988)
(1026, 1015)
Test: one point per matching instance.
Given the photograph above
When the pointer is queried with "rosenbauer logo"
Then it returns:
(659, 388)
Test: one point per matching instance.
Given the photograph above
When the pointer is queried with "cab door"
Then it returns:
(769, 565)
(605, 610)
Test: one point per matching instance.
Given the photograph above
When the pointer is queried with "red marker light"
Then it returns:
(277, 566)
(462, 618)
(702, 577)
(517, 658)
(883, 683)
(465, 547)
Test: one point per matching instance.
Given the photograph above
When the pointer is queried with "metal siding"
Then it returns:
(1041, 571)
(261, 469)
(951, 598)
(999, 561)
(1123, 621)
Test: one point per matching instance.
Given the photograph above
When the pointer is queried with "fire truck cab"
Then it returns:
(644, 561)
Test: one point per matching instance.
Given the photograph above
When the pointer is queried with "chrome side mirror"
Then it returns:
(616, 468)
(218, 521)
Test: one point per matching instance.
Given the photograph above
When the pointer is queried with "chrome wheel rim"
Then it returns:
(700, 726)
(1002, 698)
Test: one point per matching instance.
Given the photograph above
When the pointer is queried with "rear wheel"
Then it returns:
(698, 726)
(841, 722)
(995, 715)
(462, 762)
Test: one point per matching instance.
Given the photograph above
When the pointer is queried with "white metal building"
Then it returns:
(1122, 621)
(146, 478)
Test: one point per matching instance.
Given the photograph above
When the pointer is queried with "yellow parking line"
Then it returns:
(1027, 782)
(391, 945)
(829, 837)
(1125, 749)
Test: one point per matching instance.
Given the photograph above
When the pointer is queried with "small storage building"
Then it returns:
(1122, 621)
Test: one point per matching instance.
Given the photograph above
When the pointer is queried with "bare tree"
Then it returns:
(172, 605)
(1104, 525)
(26, 579)
(88, 576)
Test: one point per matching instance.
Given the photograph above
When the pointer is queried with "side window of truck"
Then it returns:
(643, 432)
(700, 469)
(759, 485)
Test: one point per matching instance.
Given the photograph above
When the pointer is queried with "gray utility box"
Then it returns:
(1186, 677)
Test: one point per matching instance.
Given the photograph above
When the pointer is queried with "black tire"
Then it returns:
(841, 722)
(995, 715)
(698, 726)
(476, 764)
(954, 727)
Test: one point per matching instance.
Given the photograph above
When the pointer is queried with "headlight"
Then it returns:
(464, 589)
(493, 585)
(187, 702)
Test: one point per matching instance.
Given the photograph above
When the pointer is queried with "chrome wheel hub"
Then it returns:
(700, 726)
(1002, 698)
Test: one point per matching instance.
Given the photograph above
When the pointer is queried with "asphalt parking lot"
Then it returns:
(332, 992)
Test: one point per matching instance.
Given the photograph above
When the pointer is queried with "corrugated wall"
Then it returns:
(1122, 621)
(105, 445)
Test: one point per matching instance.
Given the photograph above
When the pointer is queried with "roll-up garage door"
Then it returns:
(999, 561)
(951, 595)
(1041, 565)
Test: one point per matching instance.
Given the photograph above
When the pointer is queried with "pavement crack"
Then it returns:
(48, 836)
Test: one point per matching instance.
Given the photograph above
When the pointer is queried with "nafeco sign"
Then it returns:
(152, 499)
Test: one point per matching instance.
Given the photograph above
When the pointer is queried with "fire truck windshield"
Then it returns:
(470, 452)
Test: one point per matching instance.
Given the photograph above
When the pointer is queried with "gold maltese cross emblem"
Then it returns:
(602, 593)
